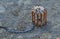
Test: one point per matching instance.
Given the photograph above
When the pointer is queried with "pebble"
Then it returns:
(46, 36)
(1, 30)
(2, 9)
(4, 38)
(19, 37)
(57, 38)
(0, 23)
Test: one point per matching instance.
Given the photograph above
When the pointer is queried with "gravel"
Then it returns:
(13, 11)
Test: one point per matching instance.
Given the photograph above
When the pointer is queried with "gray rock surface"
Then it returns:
(13, 12)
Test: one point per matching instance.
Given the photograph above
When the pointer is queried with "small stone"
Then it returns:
(4, 38)
(0, 23)
(1, 30)
(46, 35)
(11, 36)
(57, 38)
(21, 27)
(19, 37)
(2, 9)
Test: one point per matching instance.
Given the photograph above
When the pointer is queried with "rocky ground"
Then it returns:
(13, 12)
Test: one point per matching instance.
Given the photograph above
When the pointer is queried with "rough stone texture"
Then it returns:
(13, 11)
